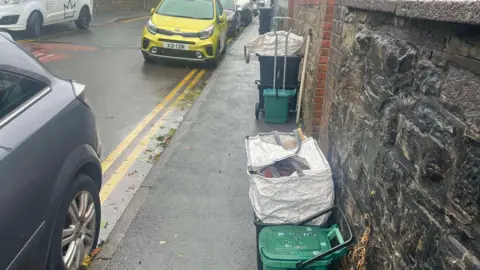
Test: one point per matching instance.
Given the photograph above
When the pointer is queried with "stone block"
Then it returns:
(348, 37)
(429, 79)
(458, 46)
(465, 190)
(389, 56)
(461, 95)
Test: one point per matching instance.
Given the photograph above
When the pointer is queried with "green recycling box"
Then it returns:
(277, 106)
(282, 247)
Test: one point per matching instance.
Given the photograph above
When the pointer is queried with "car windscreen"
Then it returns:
(228, 4)
(192, 9)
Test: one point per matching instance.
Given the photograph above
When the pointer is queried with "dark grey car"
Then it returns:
(50, 172)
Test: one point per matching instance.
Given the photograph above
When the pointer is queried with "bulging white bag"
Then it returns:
(288, 199)
(265, 44)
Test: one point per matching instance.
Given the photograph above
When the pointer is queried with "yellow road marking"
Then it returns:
(108, 161)
(128, 162)
(134, 19)
(25, 40)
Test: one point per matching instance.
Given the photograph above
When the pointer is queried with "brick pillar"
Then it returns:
(334, 56)
(326, 15)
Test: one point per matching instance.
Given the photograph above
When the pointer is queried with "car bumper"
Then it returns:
(198, 50)
(172, 57)
(12, 18)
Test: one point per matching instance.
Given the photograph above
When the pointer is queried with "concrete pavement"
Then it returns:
(193, 211)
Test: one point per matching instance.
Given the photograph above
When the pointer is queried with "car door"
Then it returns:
(58, 11)
(222, 24)
(24, 166)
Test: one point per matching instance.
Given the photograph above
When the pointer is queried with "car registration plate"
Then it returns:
(175, 46)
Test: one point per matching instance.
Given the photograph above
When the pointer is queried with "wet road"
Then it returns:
(122, 89)
(138, 105)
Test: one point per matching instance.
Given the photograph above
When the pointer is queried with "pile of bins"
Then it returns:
(267, 73)
(279, 83)
(292, 236)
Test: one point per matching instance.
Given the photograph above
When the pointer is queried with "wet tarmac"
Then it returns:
(121, 87)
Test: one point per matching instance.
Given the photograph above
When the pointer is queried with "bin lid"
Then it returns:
(285, 246)
(281, 92)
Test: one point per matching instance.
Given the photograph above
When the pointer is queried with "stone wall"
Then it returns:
(403, 128)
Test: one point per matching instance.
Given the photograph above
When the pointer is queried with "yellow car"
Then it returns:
(192, 30)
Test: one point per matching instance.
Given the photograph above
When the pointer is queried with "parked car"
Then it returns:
(246, 10)
(233, 17)
(192, 30)
(20, 15)
(49, 165)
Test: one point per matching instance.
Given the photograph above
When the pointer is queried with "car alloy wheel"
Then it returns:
(79, 230)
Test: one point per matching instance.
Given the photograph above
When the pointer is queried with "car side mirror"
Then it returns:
(152, 11)
(221, 19)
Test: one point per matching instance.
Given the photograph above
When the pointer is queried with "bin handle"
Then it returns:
(276, 50)
(341, 244)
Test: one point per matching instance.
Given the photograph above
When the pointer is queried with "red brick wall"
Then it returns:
(314, 119)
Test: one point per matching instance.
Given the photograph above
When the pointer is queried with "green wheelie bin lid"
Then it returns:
(283, 246)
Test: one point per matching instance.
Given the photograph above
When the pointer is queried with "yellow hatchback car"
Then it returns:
(192, 30)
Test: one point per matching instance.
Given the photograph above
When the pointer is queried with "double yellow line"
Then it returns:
(25, 40)
(118, 175)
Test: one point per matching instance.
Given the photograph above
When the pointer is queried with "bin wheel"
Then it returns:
(257, 110)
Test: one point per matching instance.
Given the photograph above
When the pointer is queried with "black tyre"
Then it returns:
(238, 24)
(84, 19)
(237, 29)
(257, 110)
(35, 24)
(77, 225)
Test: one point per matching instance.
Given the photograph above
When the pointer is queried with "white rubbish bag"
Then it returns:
(293, 198)
(265, 44)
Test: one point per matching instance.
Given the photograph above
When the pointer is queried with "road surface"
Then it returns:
(138, 106)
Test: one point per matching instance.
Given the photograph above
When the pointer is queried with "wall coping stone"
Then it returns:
(457, 11)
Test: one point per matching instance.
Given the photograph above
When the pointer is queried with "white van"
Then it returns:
(32, 15)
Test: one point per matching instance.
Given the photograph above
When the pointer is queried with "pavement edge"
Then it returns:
(118, 233)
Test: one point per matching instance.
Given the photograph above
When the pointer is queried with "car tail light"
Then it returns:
(80, 92)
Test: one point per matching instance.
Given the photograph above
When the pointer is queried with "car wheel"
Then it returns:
(77, 225)
(35, 24)
(84, 19)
